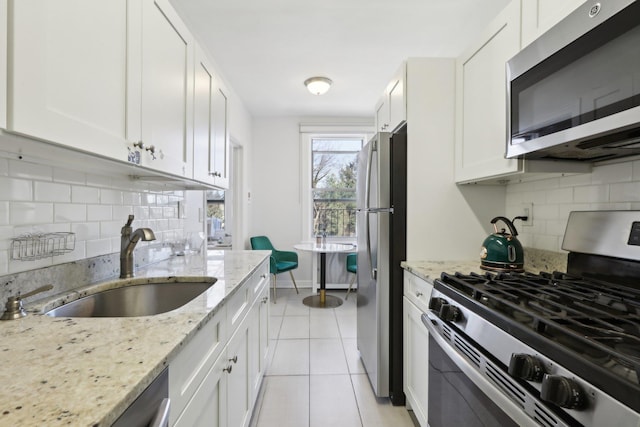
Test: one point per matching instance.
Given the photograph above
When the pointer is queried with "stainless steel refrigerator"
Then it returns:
(381, 231)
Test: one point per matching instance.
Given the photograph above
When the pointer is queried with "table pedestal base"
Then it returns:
(316, 301)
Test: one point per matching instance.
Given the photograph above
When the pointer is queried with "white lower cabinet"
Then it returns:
(416, 346)
(213, 384)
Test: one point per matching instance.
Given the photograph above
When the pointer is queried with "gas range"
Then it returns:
(566, 344)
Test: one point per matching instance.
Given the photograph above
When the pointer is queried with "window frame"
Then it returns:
(307, 134)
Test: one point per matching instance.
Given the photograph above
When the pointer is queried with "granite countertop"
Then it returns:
(536, 260)
(87, 371)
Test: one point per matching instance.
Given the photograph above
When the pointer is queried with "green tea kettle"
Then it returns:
(502, 251)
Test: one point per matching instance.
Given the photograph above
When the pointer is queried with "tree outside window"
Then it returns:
(333, 181)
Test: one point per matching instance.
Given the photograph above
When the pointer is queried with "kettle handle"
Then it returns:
(512, 229)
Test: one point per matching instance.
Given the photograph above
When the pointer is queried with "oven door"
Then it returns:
(459, 394)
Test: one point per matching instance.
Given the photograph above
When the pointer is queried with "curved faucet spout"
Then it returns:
(129, 240)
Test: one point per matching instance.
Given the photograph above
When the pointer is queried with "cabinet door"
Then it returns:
(204, 87)
(69, 71)
(540, 15)
(481, 100)
(238, 391)
(221, 143)
(167, 90)
(416, 368)
(397, 100)
(382, 114)
(259, 339)
(208, 406)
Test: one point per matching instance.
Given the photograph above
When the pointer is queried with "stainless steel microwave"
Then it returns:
(574, 93)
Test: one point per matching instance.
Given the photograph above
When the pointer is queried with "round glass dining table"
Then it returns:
(322, 300)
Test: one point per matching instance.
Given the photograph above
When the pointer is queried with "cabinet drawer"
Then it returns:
(417, 290)
(238, 306)
(191, 365)
(259, 280)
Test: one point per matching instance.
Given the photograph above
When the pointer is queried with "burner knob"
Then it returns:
(562, 391)
(526, 367)
(435, 304)
(450, 313)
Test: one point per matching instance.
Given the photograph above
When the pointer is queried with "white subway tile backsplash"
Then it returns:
(86, 231)
(4, 262)
(625, 192)
(16, 189)
(51, 192)
(607, 187)
(4, 167)
(108, 229)
(560, 195)
(155, 212)
(99, 181)
(67, 212)
(81, 194)
(99, 247)
(121, 213)
(26, 170)
(591, 193)
(99, 213)
(575, 180)
(68, 176)
(614, 173)
(4, 213)
(94, 207)
(22, 213)
(110, 197)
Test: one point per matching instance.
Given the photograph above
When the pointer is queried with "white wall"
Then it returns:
(41, 198)
(276, 184)
(613, 186)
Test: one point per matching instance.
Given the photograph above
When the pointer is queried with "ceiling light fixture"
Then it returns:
(318, 85)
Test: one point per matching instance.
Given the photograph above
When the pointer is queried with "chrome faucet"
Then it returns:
(128, 241)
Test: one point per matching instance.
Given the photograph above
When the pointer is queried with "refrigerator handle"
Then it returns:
(367, 192)
(367, 185)
(374, 269)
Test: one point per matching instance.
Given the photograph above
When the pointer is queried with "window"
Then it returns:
(215, 215)
(334, 162)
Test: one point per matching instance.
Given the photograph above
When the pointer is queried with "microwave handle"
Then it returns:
(161, 418)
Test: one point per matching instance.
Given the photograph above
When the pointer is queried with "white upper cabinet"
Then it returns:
(167, 73)
(540, 15)
(210, 125)
(221, 141)
(110, 78)
(68, 73)
(391, 110)
(204, 86)
(481, 117)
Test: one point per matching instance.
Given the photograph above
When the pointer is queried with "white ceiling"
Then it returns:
(265, 49)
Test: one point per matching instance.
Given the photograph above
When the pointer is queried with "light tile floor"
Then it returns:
(315, 378)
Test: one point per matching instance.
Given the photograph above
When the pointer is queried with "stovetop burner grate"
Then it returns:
(597, 320)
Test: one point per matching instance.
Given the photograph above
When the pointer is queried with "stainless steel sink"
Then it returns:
(143, 299)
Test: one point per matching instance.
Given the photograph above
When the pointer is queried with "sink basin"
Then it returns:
(143, 299)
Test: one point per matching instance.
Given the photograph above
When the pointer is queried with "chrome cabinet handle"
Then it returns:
(151, 149)
(234, 359)
(264, 276)
(138, 144)
(419, 294)
(228, 369)
(265, 299)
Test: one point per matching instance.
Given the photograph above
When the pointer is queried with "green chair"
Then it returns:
(352, 267)
(280, 261)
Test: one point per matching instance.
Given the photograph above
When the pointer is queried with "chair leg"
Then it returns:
(274, 288)
(294, 281)
(353, 280)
